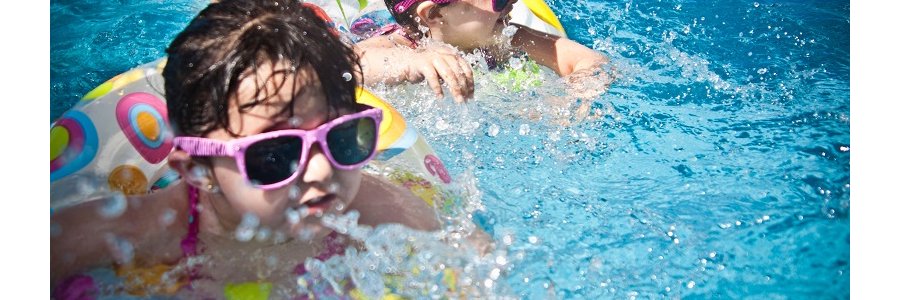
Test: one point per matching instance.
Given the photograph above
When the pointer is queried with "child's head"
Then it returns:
(243, 68)
(467, 24)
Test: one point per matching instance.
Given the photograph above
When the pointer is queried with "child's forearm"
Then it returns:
(564, 56)
(383, 65)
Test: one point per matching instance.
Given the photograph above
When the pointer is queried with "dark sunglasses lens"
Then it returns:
(353, 141)
(273, 160)
(500, 5)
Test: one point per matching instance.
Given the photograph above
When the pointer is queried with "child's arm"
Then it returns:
(382, 202)
(384, 61)
(96, 233)
(562, 55)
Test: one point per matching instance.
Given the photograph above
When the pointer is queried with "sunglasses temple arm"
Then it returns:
(204, 147)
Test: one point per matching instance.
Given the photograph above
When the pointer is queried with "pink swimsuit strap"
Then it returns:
(189, 243)
(391, 28)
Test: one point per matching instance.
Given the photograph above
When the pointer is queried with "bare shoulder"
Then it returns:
(382, 202)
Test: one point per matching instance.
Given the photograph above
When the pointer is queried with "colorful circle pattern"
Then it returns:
(143, 118)
(73, 144)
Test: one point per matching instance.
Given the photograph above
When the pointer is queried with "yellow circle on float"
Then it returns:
(148, 125)
(59, 141)
(128, 179)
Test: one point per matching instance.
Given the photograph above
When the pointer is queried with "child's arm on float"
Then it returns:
(381, 202)
(384, 61)
(94, 234)
(562, 55)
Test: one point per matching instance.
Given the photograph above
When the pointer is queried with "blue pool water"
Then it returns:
(717, 165)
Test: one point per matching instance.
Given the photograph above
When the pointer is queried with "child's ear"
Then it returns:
(429, 14)
(191, 172)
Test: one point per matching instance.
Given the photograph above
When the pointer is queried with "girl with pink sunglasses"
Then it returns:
(267, 133)
(409, 54)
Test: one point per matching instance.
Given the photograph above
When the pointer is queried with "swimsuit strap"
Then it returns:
(391, 28)
(189, 243)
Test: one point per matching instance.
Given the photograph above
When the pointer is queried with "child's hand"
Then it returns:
(443, 65)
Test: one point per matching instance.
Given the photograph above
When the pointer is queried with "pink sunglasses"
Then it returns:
(402, 6)
(271, 160)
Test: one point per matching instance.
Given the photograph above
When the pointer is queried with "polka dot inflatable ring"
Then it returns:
(73, 144)
(142, 117)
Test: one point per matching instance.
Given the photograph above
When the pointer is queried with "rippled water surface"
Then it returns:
(717, 164)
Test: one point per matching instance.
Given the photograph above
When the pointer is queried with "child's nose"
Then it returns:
(318, 167)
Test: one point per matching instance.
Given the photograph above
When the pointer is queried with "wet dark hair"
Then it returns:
(229, 39)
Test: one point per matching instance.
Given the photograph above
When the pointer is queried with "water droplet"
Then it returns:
(441, 124)
(501, 260)
(292, 216)
(488, 283)
(114, 206)
(524, 129)
(247, 228)
(761, 71)
(691, 284)
(303, 211)
(334, 187)
(340, 205)
(507, 239)
(294, 193)
(495, 273)
(295, 122)
(493, 130)
(533, 239)
(263, 234)
(347, 76)
(121, 249)
(167, 217)
(510, 30)
(198, 173)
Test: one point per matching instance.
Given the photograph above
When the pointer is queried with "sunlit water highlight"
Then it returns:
(717, 164)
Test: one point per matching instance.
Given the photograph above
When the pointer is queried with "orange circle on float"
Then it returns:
(148, 125)
(128, 179)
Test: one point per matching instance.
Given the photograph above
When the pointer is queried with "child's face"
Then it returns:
(320, 187)
(470, 24)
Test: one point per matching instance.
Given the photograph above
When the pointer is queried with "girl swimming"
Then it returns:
(469, 26)
(267, 134)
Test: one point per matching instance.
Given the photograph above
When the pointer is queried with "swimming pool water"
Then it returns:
(716, 165)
